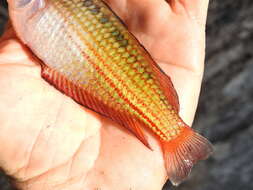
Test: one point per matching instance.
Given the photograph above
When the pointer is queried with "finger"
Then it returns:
(196, 9)
(134, 12)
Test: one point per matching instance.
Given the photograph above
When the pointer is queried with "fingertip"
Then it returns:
(195, 9)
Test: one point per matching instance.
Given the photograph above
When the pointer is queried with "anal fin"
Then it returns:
(135, 126)
(88, 100)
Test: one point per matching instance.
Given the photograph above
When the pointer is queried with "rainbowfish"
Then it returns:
(89, 55)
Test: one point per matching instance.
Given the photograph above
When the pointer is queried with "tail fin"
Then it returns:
(183, 152)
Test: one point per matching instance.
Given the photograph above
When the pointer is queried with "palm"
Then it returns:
(50, 142)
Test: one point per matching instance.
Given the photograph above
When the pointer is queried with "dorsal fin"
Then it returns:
(167, 87)
(166, 83)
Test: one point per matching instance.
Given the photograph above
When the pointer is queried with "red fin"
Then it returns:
(164, 79)
(166, 84)
(82, 97)
(134, 126)
(181, 153)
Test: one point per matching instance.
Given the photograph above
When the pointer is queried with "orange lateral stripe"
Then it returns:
(111, 83)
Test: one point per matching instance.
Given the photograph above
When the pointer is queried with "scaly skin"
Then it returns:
(94, 50)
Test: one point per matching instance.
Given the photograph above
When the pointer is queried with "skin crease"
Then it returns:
(49, 142)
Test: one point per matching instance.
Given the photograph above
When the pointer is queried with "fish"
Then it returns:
(89, 55)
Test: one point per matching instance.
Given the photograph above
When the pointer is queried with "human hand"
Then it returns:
(50, 142)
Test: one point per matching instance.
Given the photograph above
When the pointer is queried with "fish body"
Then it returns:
(89, 55)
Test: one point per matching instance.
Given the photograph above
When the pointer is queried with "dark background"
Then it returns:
(225, 112)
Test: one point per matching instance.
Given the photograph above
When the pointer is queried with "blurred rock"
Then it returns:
(229, 168)
(3, 15)
(227, 90)
(6, 181)
(225, 112)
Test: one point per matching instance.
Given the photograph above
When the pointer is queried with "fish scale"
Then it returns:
(130, 58)
(88, 54)
(123, 49)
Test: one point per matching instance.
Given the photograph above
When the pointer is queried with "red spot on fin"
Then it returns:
(87, 99)
(181, 153)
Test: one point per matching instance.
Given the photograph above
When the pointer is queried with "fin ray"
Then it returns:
(86, 99)
(167, 86)
(166, 83)
(181, 153)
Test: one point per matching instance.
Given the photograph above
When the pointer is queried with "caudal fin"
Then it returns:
(183, 152)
